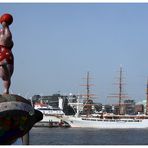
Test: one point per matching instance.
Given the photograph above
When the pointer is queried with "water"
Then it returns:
(88, 136)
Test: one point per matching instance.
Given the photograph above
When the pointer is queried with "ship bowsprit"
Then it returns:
(17, 117)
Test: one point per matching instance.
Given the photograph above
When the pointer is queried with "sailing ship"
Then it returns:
(107, 120)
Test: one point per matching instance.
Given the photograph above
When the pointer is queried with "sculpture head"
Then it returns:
(6, 18)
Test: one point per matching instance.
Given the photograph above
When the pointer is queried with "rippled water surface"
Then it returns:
(88, 136)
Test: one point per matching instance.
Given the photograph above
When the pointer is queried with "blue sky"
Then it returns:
(56, 44)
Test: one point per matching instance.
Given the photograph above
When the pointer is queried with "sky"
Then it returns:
(56, 44)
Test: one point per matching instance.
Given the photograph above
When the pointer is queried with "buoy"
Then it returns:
(17, 117)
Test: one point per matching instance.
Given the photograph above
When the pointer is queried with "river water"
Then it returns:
(88, 136)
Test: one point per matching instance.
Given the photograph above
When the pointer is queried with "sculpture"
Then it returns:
(17, 116)
(6, 56)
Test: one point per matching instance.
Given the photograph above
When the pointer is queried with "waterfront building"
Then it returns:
(139, 109)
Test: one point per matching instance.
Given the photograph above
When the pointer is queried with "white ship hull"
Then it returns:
(52, 118)
(47, 119)
(50, 115)
(105, 123)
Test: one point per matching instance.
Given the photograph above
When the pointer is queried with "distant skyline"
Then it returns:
(56, 44)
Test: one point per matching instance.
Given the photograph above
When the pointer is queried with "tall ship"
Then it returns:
(103, 119)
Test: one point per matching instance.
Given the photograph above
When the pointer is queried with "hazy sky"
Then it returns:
(56, 44)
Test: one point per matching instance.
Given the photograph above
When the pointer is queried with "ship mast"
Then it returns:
(120, 88)
(120, 95)
(87, 101)
(88, 88)
(147, 99)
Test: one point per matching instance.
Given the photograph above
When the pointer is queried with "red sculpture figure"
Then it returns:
(6, 56)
